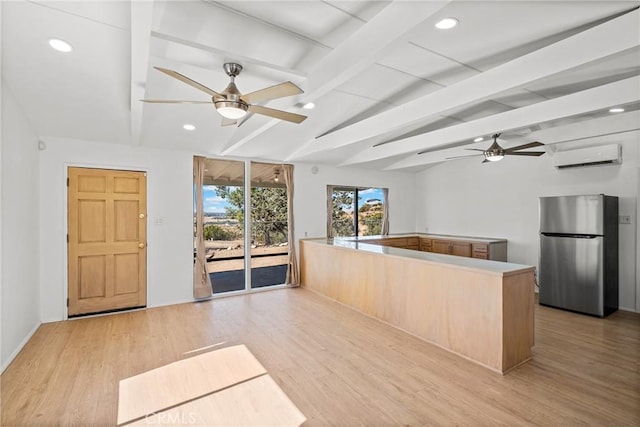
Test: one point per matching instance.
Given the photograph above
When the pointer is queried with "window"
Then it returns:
(357, 211)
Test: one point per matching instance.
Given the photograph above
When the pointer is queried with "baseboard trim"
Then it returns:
(24, 342)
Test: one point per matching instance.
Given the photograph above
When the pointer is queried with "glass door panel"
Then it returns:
(224, 224)
(269, 233)
(357, 211)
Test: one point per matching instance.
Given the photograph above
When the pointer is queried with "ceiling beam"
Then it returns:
(356, 53)
(587, 101)
(141, 18)
(609, 38)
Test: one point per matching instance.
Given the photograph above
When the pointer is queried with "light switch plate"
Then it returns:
(625, 219)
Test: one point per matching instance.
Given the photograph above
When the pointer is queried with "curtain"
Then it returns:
(329, 210)
(202, 287)
(293, 278)
(385, 212)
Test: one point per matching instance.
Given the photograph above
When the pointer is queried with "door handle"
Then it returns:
(141, 245)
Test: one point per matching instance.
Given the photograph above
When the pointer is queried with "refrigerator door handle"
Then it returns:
(572, 236)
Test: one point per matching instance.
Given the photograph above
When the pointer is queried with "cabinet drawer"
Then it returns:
(480, 247)
(413, 241)
(480, 255)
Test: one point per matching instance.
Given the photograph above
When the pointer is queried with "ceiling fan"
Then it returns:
(231, 103)
(496, 153)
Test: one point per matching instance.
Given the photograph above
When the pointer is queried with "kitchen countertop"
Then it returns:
(429, 235)
(480, 265)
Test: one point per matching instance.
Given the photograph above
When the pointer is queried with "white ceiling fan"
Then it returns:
(231, 103)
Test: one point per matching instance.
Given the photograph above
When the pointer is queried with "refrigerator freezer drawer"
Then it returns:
(571, 273)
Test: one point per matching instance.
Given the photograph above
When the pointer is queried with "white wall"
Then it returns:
(169, 226)
(169, 201)
(310, 203)
(501, 200)
(19, 227)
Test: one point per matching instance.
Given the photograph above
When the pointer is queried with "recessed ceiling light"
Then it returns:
(60, 45)
(616, 110)
(309, 106)
(188, 127)
(447, 23)
(478, 139)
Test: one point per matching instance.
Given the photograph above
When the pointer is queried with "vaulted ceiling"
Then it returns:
(386, 83)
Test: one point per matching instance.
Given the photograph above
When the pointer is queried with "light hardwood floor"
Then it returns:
(338, 366)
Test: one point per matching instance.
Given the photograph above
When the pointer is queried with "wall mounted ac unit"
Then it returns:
(600, 155)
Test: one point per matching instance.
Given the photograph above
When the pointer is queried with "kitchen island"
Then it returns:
(481, 310)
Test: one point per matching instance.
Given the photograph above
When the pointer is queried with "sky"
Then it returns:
(213, 203)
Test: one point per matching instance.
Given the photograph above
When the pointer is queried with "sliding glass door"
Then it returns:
(356, 211)
(230, 236)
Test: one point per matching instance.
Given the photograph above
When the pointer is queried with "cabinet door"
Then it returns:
(461, 248)
(425, 245)
(441, 246)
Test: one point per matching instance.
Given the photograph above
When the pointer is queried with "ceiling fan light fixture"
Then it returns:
(232, 110)
(276, 175)
(493, 157)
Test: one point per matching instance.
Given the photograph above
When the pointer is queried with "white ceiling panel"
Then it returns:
(362, 9)
(83, 94)
(378, 72)
(114, 13)
(493, 32)
(422, 63)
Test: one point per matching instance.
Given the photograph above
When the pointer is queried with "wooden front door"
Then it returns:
(107, 240)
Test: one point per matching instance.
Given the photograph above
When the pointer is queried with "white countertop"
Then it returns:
(503, 268)
(429, 236)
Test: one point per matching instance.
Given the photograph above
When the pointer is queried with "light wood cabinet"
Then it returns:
(426, 244)
(495, 250)
(441, 246)
(460, 249)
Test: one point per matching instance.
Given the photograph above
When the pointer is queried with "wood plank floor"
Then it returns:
(338, 366)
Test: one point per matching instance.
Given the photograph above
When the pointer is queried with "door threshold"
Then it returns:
(100, 313)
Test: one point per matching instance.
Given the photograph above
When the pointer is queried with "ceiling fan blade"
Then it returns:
(170, 101)
(526, 153)
(475, 149)
(524, 146)
(486, 161)
(244, 119)
(277, 114)
(228, 122)
(187, 80)
(277, 91)
(462, 157)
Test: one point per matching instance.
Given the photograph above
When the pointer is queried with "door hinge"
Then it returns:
(67, 302)
(67, 182)
(67, 238)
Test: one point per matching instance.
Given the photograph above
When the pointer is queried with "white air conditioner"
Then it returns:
(601, 155)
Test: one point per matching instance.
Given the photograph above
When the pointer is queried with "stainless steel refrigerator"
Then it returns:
(579, 253)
